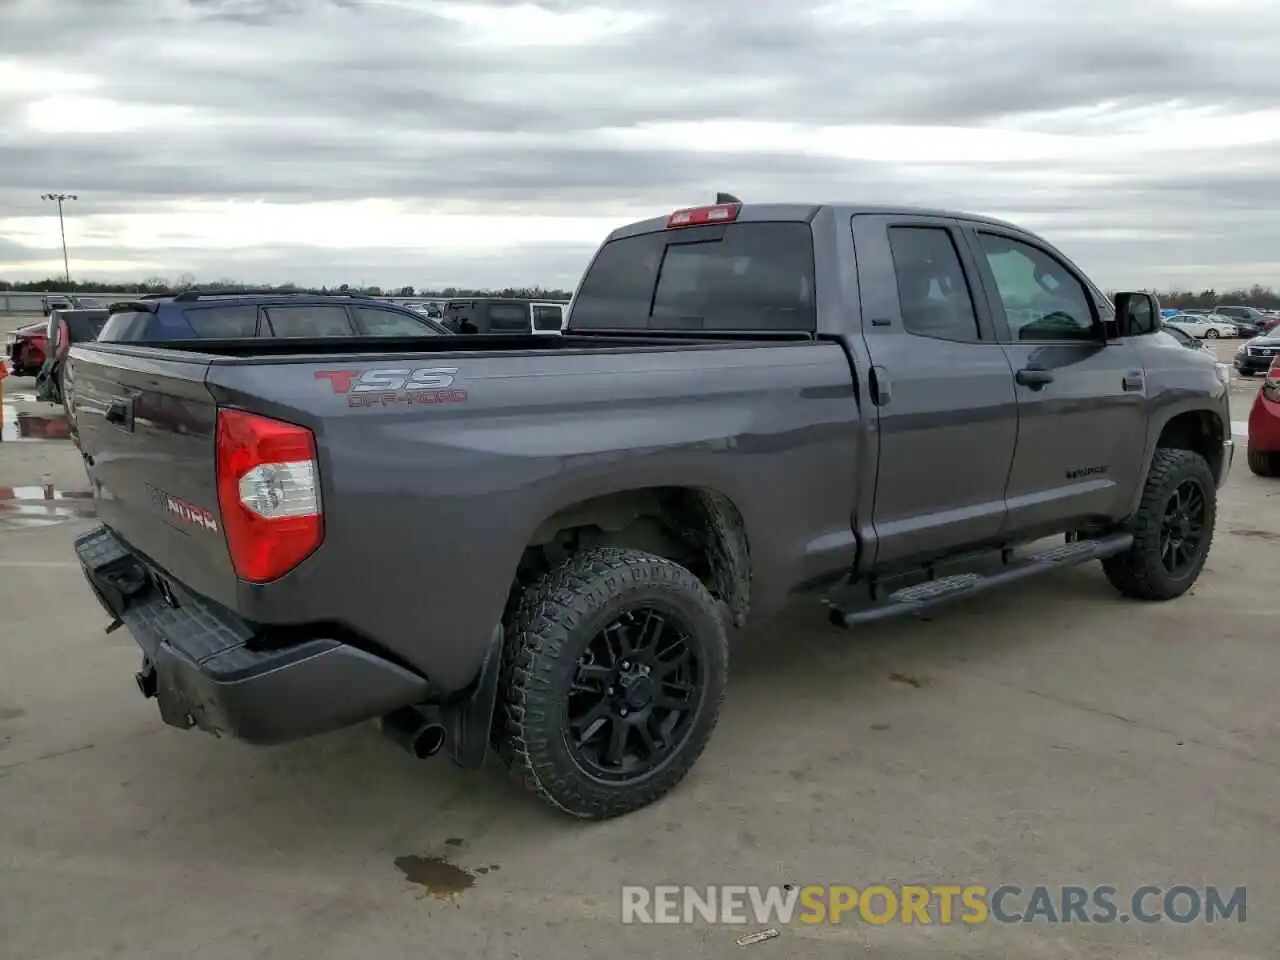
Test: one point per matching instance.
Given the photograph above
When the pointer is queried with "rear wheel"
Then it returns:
(1264, 463)
(1211, 333)
(1172, 529)
(613, 675)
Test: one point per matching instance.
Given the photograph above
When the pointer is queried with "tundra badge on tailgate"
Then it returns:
(370, 388)
(183, 510)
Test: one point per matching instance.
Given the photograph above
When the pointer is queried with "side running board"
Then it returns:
(932, 593)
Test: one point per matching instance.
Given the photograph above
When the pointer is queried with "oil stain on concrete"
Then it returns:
(437, 877)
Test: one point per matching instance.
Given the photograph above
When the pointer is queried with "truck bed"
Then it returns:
(429, 498)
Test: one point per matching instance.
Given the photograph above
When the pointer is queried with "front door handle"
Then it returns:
(1133, 380)
(1034, 377)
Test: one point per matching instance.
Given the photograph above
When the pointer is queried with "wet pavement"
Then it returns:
(19, 425)
(45, 484)
(43, 506)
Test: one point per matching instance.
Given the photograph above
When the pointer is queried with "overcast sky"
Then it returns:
(492, 143)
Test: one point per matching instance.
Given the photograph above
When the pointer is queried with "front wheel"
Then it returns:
(613, 674)
(1172, 529)
(1211, 334)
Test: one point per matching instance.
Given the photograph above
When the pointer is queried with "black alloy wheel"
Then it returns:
(1183, 526)
(614, 671)
(633, 698)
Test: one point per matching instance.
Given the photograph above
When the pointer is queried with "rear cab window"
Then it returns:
(743, 276)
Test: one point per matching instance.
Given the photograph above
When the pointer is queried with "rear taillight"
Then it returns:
(268, 492)
(697, 216)
(1271, 385)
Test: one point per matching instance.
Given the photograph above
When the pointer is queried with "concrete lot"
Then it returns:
(1053, 734)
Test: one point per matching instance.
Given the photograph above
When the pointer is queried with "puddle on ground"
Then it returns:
(44, 505)
(18, 426)
(437, 876)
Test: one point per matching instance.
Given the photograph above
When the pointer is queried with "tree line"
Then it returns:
(1256, 296)
(162, 286)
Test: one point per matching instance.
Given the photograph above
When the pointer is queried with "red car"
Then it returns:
(27, 350)
(1264, 426)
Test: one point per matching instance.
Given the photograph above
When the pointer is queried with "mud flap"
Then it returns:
(470, 721)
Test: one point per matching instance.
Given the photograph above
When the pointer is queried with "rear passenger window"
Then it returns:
(508, 318)
(223, 322)
(376, 322)
(932, 289)
(309, 320)
(547, 316)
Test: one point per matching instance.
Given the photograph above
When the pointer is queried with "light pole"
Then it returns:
(59, 197)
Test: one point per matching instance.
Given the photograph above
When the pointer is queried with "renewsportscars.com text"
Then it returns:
(936, 904)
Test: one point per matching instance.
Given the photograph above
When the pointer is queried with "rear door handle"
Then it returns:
(1034, 377)
(1133, 380)
(120, 412)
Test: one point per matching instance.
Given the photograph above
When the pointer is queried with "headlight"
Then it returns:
(1224, 373)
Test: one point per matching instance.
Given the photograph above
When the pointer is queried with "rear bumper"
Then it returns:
(198, 660)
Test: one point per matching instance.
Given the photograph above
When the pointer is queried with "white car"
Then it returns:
(1202, 327)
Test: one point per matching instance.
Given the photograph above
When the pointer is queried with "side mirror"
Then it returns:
(1136, 314)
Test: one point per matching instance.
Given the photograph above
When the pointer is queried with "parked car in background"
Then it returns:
(1264, 425)
(52, 302)
(504, 315)
(1200, 326)
(201, 315)
(1256, 355)
(25, 348)
(65, 328)
(1250, 321)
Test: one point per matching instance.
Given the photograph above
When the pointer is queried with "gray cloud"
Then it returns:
(304, 100)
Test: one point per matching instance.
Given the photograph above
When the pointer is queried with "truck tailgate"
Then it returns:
(146, 426)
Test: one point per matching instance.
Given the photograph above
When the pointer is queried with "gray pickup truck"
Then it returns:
(540, 546)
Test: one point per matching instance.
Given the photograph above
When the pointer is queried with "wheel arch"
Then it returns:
(698, 527)
(1198, 429)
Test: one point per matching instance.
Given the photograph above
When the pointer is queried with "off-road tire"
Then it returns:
(1264, 463)
(1138, 572)
(550, 627)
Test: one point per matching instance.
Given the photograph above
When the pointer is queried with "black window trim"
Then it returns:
(985, 334)
(995, 302)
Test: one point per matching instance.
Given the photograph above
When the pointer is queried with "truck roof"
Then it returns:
(806, 211)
